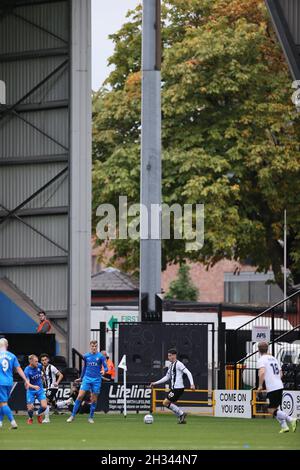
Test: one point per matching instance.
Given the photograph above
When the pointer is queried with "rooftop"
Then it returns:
(112, 279)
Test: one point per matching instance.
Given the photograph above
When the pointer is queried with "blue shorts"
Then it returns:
(91, 385)
(5, 393)
(32, 395)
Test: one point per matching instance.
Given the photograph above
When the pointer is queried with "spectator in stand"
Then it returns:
(111, 373)
(45, 325)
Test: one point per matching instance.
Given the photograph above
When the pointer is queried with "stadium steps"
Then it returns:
(31, 309)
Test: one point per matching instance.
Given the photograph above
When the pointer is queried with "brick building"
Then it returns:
(227, 281)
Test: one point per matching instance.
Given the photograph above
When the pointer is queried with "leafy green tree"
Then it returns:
(230, 133)
(182, 288)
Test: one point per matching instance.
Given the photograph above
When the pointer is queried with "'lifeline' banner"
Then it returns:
(111, 397)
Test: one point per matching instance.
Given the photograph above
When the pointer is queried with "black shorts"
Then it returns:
(51, 394)
(275, 398)
(174, 394)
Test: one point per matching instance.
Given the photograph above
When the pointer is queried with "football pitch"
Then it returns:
(111, 432)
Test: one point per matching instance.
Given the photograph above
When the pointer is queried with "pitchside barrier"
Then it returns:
(111, 398)
(230, 372)
(229, 403)
(290, 403)
(190, 398)
(140, 398)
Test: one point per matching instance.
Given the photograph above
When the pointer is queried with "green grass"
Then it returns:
(115, 432)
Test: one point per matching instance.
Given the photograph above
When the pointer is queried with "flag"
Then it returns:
(122, 364)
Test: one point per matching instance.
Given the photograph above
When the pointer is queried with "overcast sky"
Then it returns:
(107, 18)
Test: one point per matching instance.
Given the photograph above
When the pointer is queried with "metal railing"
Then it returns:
(268, 317)
(284, 351)
(207, 401)
(77, 360)
(241, 339)
(95, 335)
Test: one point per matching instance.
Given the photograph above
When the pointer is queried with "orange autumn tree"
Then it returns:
(230, 132)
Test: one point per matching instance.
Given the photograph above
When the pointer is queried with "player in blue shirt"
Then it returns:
(91, 378)
(33, 373)
(8, 363)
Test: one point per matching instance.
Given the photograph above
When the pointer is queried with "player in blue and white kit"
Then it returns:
(8, 363)
(91, 378)
(33, 373)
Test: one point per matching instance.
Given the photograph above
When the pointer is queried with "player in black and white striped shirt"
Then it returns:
(51, 378)
(175, 377)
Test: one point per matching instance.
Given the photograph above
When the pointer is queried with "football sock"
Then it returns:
(76, 407)
(41, 410)
(1, 415)
(282, 422)
(92, 409)
(176, 409)
(283, 416)
(30, 414)
(7, 412)
(47, 411)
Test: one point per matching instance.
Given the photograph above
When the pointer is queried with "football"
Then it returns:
(148, 419)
